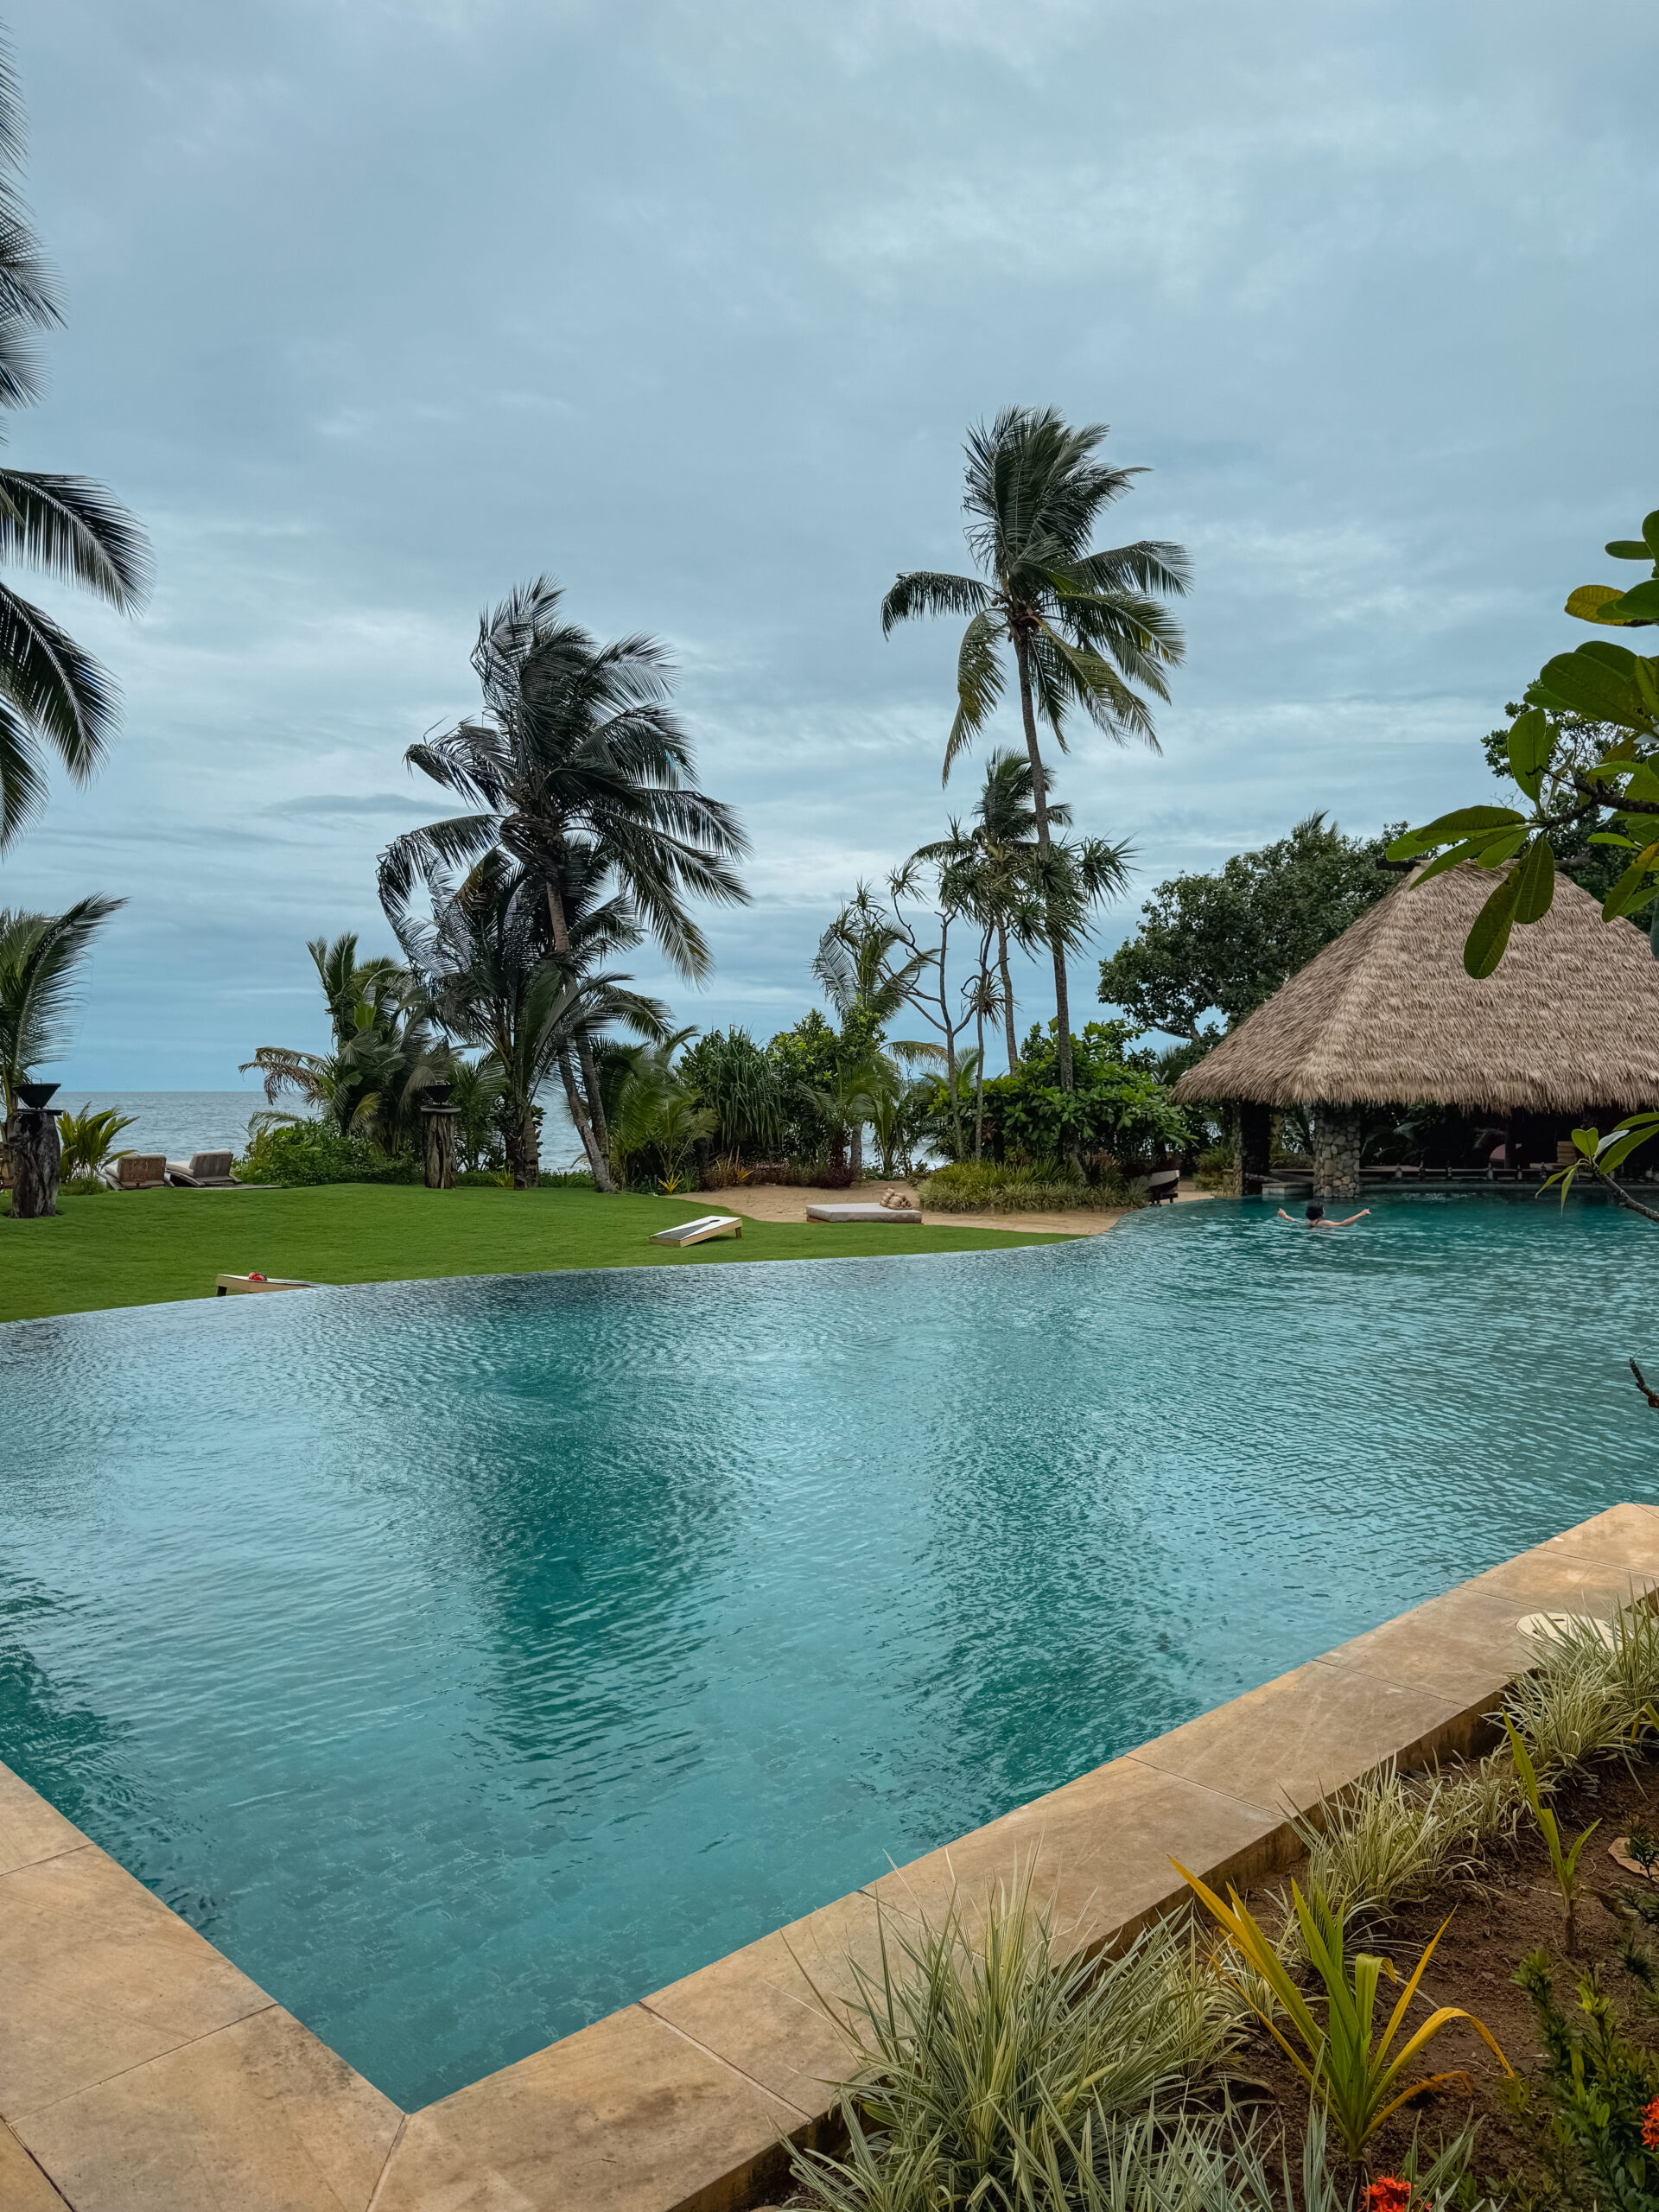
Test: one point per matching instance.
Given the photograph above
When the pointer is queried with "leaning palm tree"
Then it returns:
(1084, 628)
(54, 697)
(577, 761)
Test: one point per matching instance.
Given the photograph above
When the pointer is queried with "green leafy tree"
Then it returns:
(54, 697)
(1114, 1107)
(806, 1057)
(1084, 628)
(1607, 687)
(1223, 943)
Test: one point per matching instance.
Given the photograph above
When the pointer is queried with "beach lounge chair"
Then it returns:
(1163, 1188)
(699, 1231)
(887, 1215)
(135, 1171)
(203, 1171)
(242, 1285)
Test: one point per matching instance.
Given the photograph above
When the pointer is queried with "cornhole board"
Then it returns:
(699, 1231)
(900, 1214)
(242, 1285)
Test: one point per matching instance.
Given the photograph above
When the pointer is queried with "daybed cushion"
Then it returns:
(911, 1214)
(213, 1168)
(136, 1170)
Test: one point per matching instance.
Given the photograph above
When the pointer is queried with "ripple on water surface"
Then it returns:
(468, 1659)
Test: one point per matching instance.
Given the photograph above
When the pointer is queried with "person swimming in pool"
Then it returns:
(1316, 1218)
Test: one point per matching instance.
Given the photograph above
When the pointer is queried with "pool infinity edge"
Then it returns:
(141, 2071)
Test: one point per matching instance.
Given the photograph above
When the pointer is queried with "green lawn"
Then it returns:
(142, 1247)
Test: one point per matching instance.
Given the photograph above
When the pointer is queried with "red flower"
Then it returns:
(1389, 2194)
(1650, 2127)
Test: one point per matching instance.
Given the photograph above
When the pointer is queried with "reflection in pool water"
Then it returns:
(467, 1659)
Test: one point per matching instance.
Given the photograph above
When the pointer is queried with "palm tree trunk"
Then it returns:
(596, 1146)
(979, 1085)
(595, 1097)
(598, 1164)
(949, 1028)
(1008, 997)
(856, 1152)
(524, 1158)
(1040, 804)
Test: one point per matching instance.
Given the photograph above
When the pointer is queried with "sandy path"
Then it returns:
(787, 1202)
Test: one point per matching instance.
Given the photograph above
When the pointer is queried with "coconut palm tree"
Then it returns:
(577, 763)
(54, 697)
(42, 959)
(494, 984)
(1084, 628)
(384, 1055)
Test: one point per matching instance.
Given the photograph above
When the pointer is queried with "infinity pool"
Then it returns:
(467, 1659)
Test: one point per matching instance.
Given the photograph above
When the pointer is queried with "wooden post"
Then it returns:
(35, 1154)
(1254, 1148)
(441, 1146)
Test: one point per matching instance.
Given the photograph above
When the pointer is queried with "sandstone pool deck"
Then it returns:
(141, 2071)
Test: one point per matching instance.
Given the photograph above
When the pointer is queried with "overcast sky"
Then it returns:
(376, 307)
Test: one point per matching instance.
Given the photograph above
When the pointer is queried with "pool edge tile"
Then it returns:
(30, 1829)
(627, 2115)
(98, 1976)
(23, 2186)
(260, 2115)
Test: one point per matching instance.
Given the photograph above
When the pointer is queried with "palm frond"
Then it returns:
(60, 694)
(42, 957)
(72, 529)
(927, 591)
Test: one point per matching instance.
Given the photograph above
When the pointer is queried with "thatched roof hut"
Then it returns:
(1568, 1022)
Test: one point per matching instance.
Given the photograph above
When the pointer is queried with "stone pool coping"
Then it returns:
(140, 2071)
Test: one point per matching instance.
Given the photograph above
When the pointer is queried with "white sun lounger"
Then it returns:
(900, 1214)
(245, 1286)
(700, 1230)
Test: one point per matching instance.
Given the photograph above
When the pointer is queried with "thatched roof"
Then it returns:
(1386, 1014)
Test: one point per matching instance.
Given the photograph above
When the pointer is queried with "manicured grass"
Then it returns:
(143, 1247)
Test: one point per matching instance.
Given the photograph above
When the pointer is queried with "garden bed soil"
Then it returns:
(1510, 1907)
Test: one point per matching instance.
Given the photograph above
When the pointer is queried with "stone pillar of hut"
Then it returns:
(1338, 1136)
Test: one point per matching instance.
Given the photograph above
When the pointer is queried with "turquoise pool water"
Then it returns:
(467, 1659)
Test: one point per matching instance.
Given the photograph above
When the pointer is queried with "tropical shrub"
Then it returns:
(305, 1153)
(1116, 1107)
(806, 1057)
(741, 1084)
(1600, 2098)
(87, 1140)
(981, 2058)
(982, 1186)
(1215, 1166)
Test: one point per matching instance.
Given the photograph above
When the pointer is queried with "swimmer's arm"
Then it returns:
(1351, 1219)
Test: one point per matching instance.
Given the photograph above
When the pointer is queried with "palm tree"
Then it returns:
(53, 695)
(494, 984)
(41, 960)
(1084, 628)
(385, 1051)
(855, 963)
(577, 765)
(656, 1112)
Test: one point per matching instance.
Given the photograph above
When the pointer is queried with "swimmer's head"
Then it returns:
(1316, 1213)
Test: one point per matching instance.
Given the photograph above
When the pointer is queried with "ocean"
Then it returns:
(178, 1122)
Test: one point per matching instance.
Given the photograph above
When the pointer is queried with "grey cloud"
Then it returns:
(375, 310)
